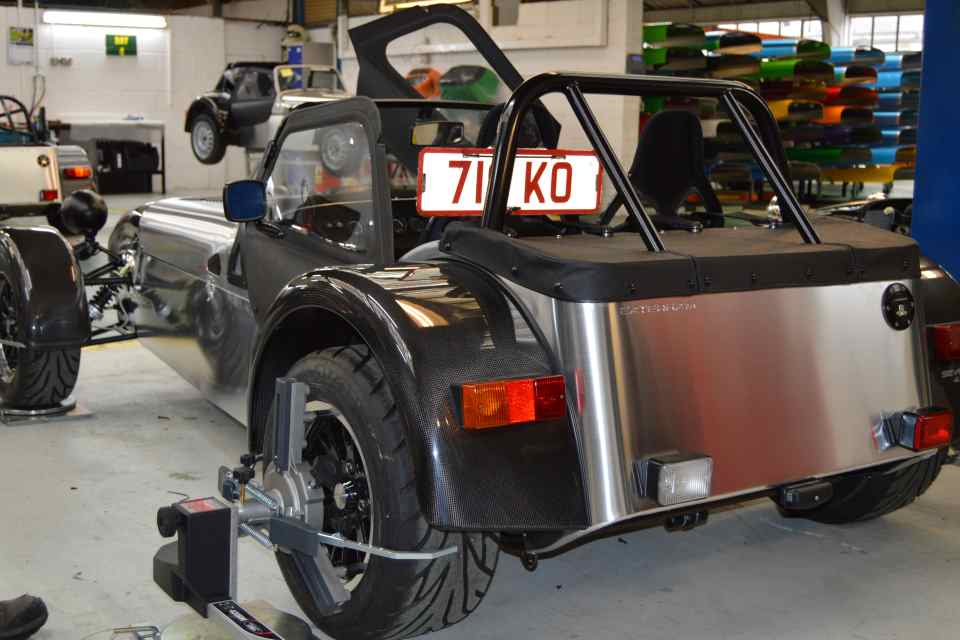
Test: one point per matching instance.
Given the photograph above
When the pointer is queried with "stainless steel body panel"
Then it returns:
(194, 319)
(776, 385)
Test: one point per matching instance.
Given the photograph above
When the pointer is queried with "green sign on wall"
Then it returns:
(121, 45)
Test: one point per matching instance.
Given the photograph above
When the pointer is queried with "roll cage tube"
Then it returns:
(764, 141)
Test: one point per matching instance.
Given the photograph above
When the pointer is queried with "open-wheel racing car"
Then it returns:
(510, 352)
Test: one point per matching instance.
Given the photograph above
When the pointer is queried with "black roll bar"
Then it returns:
(764, 141)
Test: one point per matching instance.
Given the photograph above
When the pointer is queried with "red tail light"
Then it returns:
(49, 195)
(932, 429)
(78, 173)
(503, 402)
(946, 341)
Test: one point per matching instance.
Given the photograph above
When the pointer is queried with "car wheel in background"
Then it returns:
(206, 139)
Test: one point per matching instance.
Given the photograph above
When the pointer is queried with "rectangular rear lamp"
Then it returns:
(499, 403)
(926, 429)
(77, 173)
(675, 478)
(49, 195)
(946, 341)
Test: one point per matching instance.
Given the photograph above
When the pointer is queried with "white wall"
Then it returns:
(172, 66)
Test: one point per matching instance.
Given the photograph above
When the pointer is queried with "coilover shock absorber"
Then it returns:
(101, 300)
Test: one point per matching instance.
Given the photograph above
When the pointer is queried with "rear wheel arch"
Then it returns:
(296, 335)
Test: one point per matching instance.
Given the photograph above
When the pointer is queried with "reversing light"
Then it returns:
(49, 195)
(78, 173)
(504, 402)
(926, 429)
(946, 341)
(674, 478)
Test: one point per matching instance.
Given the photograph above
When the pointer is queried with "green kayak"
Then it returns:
(674, 35)
(796, 70)
(830, 155)
(733, 42)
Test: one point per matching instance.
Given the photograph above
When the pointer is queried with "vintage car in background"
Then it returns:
(480, 360)
(36, 174)
(249, 102)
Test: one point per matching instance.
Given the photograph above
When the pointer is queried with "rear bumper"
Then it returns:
(661, 515)
(30, 209)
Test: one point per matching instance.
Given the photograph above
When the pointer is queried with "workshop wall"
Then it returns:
(171, 67)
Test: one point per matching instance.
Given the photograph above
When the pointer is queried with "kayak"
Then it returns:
(783, 89)
(841, 134)
(892, 101)
(889, 155)
(790, 48)
(796, 70)
(851, 96)
(674, 35)
(795, 110)
(802, 132)
(738, 42)
(674, 60)
(911, 61)
(840, 114)
(903, 118)
(836, 156)
(878, 174)
(854, 74)
(857, 55)
(898, 80)
(732, 66)
(899, 137)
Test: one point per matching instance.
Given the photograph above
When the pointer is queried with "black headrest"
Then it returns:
(669, 159)
(529, 137)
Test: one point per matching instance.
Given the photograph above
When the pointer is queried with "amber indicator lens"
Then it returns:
(78, 173)
(504, 402)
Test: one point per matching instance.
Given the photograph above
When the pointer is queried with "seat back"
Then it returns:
(669, 162)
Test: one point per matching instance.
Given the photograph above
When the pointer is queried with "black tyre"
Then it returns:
(875, 493)
(206, 139)
(29, 378)
(341, 150)
(389, 598)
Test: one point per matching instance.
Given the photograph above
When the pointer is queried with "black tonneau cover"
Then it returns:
(592, 268)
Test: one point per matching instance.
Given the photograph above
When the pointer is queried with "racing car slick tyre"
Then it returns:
(206, 139)
(869, 495)
(392, 599)
(30, 378)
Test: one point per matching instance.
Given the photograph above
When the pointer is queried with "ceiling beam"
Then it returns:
(772, 9)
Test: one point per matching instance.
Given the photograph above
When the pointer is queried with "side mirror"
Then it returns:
(244, 201)
(439, 133)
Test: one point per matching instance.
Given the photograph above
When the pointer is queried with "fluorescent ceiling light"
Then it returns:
(105, 19)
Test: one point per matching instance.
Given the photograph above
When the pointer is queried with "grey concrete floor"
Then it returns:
(79, 500)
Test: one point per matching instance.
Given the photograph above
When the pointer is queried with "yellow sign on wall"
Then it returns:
(121, 45)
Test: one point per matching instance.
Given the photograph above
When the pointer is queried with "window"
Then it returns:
(251, 84)
(888, 32)
(811, 29)
(321, 185)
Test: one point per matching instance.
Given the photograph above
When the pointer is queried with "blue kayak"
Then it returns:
(898, 137)
(894, 119)
(911, 61)
(896, 100)
(897, 80)
(856, 55)
(892, 155)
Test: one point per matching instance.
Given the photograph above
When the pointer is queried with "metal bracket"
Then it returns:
(289, 400)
